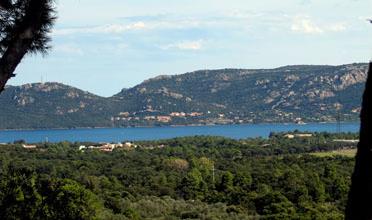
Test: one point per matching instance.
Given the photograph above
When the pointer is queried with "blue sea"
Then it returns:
(157, 133)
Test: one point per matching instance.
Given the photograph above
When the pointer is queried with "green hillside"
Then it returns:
(226, 96)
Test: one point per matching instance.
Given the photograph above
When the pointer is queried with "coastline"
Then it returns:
(175, 126)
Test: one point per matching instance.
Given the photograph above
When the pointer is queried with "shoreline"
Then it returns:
(171, 126)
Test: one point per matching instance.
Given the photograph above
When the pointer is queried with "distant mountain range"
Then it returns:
(304, 93)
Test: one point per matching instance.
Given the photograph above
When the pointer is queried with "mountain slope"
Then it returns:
(51, 105)
(285, 94)
(282, 94)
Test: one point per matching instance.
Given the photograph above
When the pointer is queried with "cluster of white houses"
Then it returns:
(349, 141)
(183, 114)
(107, 147)
(125, 116)
(28, 146)
(291, 136)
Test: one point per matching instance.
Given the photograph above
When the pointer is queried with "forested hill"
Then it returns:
(285, 94)
(51, 105)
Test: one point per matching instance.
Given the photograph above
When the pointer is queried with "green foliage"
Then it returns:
(227, 182)
(19, 198)
(26, 195)
(195, 177)
(67, 199)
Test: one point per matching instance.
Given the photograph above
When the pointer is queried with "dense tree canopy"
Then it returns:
(186, 178)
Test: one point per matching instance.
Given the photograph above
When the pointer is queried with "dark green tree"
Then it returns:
(19, 198)
(227, 182)
(192, 185)
(26, 195)
(67, 199)
(360, 195)
(275, 205)
(24, 28)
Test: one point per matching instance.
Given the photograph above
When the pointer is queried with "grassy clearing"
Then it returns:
(345, 153)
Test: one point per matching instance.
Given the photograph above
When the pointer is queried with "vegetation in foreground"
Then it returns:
(185, 178)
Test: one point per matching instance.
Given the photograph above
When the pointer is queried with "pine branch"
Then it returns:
(6, 4)
(24, 28)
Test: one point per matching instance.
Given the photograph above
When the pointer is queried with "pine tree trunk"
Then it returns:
(10, 60)
(359, 206)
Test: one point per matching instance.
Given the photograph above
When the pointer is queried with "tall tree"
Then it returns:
(360, 195)
(24, 28)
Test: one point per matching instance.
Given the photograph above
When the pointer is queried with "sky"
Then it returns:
(105, 46)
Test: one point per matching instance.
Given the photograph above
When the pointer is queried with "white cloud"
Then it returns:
(305, 25)
(122, 46)
(337, 27)
(117, 28)
(69, 49)
(105, 29)
(139, 25)
(176, 23)
(166, 22)
(185, 45)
